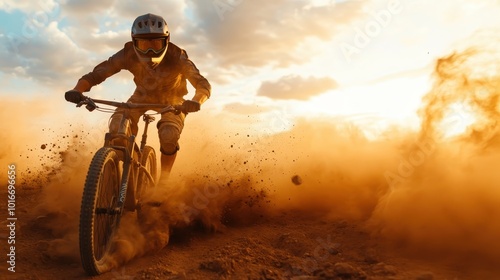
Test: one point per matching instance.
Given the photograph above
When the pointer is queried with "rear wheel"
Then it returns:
(146, 181)
(146, 178)
(99, 214)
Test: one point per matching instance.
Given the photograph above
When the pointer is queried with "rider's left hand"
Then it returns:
(74, 96)
(190, 106)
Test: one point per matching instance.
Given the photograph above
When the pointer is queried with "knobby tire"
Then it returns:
(99, 214)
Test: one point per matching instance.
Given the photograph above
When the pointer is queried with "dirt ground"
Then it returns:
(291, 245)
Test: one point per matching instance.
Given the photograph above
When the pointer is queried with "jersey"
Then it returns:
(164, 84)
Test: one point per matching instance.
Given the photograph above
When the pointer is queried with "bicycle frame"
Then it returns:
(132, 153)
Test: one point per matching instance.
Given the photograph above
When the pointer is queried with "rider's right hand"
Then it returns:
(74, 96)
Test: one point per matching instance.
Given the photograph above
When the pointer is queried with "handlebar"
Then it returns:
(160, 108)
(90, 104)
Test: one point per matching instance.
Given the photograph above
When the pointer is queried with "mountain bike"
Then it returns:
(118, 176)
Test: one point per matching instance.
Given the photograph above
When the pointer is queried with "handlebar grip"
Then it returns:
(183, 109)
(74, 96)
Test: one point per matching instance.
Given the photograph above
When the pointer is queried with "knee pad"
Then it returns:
(169, 137)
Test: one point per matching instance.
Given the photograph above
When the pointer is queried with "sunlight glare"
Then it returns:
(456, 121)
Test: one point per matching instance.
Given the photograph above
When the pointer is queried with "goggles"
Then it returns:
(155, 45)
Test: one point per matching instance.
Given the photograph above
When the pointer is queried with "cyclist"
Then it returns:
(160, 69)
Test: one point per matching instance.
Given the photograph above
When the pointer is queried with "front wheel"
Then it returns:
(99, 214)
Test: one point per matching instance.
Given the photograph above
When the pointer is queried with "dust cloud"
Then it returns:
(20, 132)
(425, 191)
(450, 205)
(48, 154)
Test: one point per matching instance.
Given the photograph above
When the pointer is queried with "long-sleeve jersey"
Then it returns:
(164, 84)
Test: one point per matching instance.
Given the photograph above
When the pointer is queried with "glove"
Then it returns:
(74, 96)
(190, 106)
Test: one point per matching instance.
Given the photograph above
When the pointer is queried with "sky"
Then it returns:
(367, 61)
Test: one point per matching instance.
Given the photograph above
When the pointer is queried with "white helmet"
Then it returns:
(150, 37)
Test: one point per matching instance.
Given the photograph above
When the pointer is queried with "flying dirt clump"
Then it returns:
(297, 180)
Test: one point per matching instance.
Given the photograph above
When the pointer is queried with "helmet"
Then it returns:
(150, 37)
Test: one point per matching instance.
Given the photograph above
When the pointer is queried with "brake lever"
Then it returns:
(91, 106)
(168, 109)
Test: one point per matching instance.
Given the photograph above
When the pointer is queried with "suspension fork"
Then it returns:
(127, 166)
(147, 120)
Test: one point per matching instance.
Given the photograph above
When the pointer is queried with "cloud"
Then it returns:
(88, 7)
(49, 56)
(35, 7)
(296, 87)
(259, 33)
